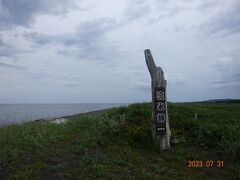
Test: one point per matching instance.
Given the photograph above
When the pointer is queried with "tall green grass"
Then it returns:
(217, 127)
(16, 140)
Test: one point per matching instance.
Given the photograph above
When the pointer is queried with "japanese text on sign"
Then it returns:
(160, 110)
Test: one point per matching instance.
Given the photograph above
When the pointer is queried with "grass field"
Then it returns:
(116, 144)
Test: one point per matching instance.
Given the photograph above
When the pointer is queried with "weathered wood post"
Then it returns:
(159, 123)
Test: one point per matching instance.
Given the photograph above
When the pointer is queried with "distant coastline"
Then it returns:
(19, 113)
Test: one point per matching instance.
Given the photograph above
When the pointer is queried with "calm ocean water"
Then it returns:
(17, 113)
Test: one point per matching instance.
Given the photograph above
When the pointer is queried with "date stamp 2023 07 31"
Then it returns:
(207, 163)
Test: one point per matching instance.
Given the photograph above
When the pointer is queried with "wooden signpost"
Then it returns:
(160, 123)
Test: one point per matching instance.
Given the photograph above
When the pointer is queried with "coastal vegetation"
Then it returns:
(117, 144)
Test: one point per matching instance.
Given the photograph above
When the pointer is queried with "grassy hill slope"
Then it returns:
(116, 144)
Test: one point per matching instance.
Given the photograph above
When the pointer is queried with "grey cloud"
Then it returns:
(176, 82)
(229, 79)
(71, 84)
(22, 12)
(144, 85)
(38, 75)
(70, 80)
(228, 69)
(168, 9)
(6, 50)
(88, 42)
(207, 5)
(232, 79)
(40, 39)
(226, 22)
(136, 10)
(153, 11)
(11, 66)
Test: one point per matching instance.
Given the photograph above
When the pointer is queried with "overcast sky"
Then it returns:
(91, 51)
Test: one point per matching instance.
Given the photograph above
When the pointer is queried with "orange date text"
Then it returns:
(207, 163)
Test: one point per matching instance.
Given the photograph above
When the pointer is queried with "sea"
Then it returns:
(18, 113)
